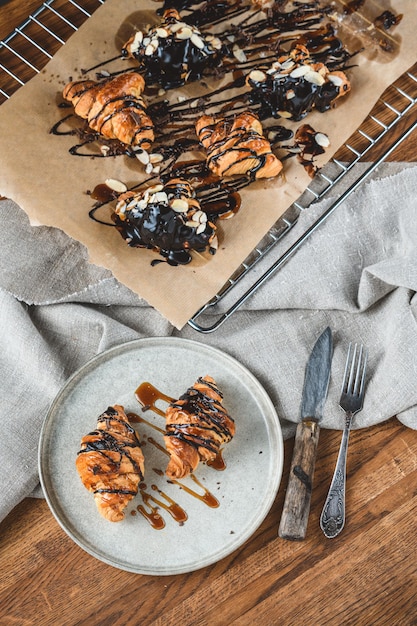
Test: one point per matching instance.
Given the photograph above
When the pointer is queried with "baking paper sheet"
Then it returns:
(51, 185)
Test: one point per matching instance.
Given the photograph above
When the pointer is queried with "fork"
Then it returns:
(332, 518)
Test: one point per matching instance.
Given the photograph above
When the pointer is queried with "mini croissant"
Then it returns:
(196, 426)
(236, 145)
(114, 108)
(110, 463)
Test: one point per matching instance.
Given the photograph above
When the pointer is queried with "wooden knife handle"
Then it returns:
(294, 518)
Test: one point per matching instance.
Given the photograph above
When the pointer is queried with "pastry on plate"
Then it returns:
(173, 52)
(114, 108)
(235, 145)
(294, 85)
(166, 218)
(197, 425)
(110, 463)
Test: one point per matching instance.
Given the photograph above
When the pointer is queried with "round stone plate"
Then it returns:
(244, 490)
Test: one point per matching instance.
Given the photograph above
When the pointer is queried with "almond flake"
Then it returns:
(284, 114)
(155, 188)
(336, 80)
(300, 71)
(315, 78)
(143, 157)
(257, 76)
(156, 157)
(184, 33)
(178, 205)
(115, 185)
(239, 54)
(197, 41)
(322, 140)
(177, 26)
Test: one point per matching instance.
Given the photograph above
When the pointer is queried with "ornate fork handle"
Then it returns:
(332, 518)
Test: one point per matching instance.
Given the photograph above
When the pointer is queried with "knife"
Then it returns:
(294, 518)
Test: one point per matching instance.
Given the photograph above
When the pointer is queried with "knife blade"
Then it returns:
(294, 518)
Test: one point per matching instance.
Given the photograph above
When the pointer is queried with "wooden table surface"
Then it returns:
(366, 576)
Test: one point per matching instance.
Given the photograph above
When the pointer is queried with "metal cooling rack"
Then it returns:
(29, 47)
(391, 116)
(27, 50)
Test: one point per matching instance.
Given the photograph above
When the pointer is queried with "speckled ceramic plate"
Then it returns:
(244, 490)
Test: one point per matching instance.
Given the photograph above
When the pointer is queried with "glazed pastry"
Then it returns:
(114, 108)
(110, 463)
(236, 145)
(294, 85)
(174, 52)
(196, 426)
(166, 218)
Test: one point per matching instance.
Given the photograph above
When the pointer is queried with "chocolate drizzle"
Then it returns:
(183, 49)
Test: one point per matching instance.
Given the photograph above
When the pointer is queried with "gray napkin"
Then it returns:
(357, 273)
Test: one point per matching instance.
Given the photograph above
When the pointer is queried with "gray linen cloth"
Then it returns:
(357, 273)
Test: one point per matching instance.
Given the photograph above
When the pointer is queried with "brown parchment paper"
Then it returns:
(37, 171)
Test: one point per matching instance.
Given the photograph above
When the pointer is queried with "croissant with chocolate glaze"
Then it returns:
(196, 426)
(114, 108)
(110, 463)
(236, 145)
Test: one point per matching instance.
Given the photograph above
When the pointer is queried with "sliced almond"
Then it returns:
(315, 78)
(115, 185)
(120, 207)
(200, 229)
(336, 80)
(322, 140)
(136, 42)
(197, 41)
(284, 114)
(155, 157)
(141, 204)
(200, 216)
(192, 224)
(160, 197)
(239, 54)
(216, 43)
(286, 65)
(155, 188)
(178, 205)
(257, 76)
(177, 26)
(300, 71)
(143, 157)
(184, 33)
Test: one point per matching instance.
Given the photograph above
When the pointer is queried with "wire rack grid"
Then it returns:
(25, 51)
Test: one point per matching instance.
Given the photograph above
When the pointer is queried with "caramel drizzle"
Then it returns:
(148, 395)
(151, 513)
(205, 497)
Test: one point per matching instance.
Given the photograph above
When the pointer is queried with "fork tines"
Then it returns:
(355, 371)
